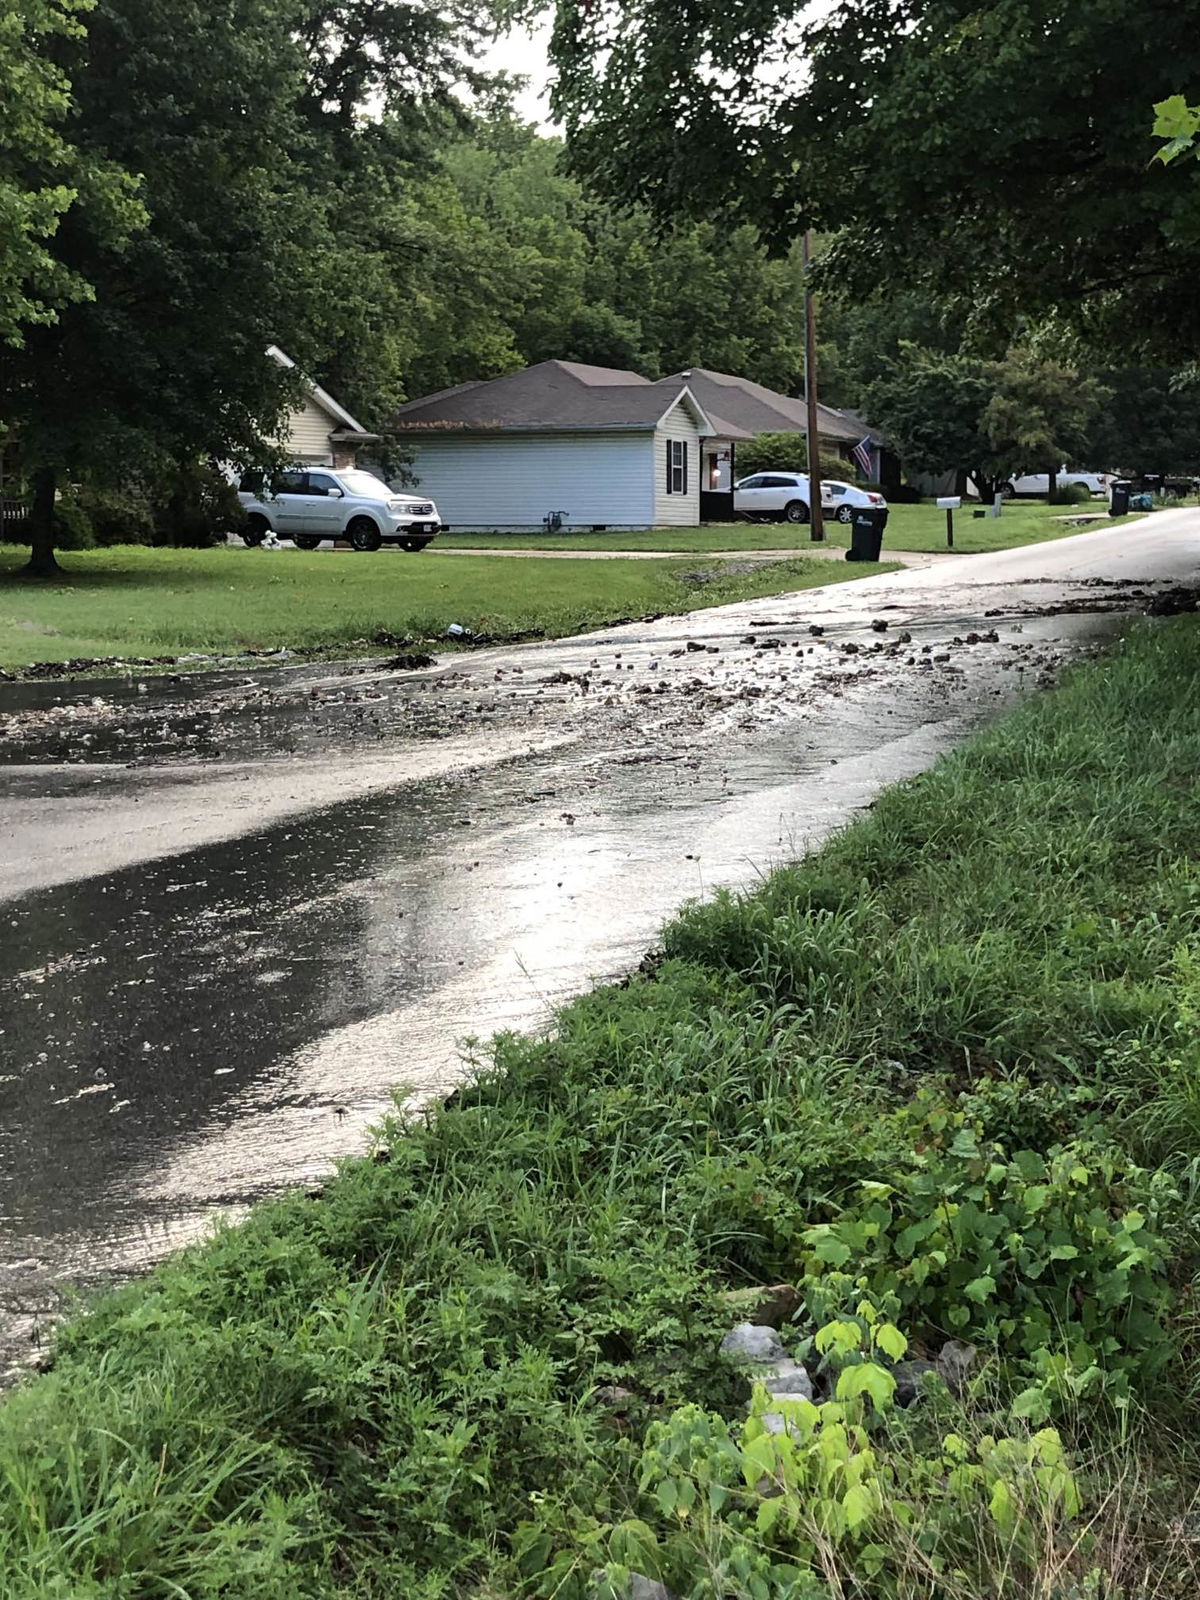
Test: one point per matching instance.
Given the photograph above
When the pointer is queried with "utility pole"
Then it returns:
(816, 520)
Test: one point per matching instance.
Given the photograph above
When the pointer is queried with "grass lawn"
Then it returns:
(909, 528)
(130, 601)
(943, 1077)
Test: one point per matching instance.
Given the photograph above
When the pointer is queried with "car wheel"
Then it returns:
(795, 511)
(414, 544)
(256, 530)
(363, 534)
(305, 541)
(1007, 491)
(845, 513)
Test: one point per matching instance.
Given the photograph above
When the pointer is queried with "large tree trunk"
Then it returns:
(1051, 483)
(41, 537)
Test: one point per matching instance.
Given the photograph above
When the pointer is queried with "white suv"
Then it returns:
(308, 504)
(1039, 483)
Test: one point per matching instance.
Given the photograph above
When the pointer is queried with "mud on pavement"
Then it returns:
(240, 908)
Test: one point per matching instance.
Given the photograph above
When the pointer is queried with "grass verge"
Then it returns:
(920, 527)
(131, 601)
(943, 1076)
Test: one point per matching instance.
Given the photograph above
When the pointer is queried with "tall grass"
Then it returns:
(393, 1390)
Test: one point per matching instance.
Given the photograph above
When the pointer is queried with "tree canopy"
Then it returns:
(1002, 151)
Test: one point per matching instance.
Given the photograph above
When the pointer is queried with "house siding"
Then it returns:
(510, 481)
(677, 510)
(308, 433)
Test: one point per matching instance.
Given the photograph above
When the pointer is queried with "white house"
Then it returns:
(321, 433)
(560, 444)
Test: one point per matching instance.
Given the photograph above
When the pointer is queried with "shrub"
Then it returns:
(786, 452)
(1070, 494)
(1054, 1261)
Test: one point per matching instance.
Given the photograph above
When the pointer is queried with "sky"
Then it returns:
(523, 52)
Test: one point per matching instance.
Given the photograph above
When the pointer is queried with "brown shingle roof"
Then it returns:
(551, 395)
(757, 409)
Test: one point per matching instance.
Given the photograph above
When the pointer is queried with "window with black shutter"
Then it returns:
(677, 466)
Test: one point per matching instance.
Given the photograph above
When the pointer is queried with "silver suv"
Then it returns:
(308, 504)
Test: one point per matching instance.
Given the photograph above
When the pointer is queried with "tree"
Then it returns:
(1149, 423)
(998, 151)
(272, 205)
(994, 419)
(42, 174)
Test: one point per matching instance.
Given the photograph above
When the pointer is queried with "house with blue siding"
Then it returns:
(567, 445)
(560, 444)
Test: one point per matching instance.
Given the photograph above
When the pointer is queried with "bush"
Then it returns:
(119, 515)
(1070, 494)
(786, 452)
(195, 506)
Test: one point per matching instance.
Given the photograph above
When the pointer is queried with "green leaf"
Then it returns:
(1031, 1404)
(980, 1289)
(1001, 1506)
(891, 1341)
(1174, 118)
(858, 1504)
(667, 1495)
(868, 1378)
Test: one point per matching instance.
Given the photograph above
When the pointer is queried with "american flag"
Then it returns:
(862, 456)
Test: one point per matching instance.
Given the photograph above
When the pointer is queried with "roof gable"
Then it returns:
(757, 409)
(327, 403)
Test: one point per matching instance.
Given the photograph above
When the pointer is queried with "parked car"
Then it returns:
(309, 504)
(1039, 482)
(840, 500)
(784, 497)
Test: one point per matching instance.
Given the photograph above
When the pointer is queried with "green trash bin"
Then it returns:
(866, 533)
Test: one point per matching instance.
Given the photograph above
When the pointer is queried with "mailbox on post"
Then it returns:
(949, 503)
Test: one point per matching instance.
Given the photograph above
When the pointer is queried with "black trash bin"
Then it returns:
(866, 533)
(1118, 503)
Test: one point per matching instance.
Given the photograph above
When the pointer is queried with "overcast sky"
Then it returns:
(523, 53)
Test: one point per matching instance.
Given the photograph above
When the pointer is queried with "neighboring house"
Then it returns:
(751, 408)
(321, 433)
(598, 447)
(560, 444)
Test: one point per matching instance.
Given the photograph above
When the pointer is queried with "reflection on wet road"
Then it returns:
(195, 1027)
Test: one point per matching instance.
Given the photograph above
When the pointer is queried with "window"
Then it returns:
(677, 465)
(791, 482)
(322, 483)
(836, 489)
(289, 483)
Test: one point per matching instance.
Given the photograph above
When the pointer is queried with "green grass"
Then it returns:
(131, 601)
(920, 527)
(392, 1391)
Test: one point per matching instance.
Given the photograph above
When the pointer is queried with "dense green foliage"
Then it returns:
(955, 147)
(42, 173)
(995, 419)
(942, 1075)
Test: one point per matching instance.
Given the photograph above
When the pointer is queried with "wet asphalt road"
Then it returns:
(240, 909)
